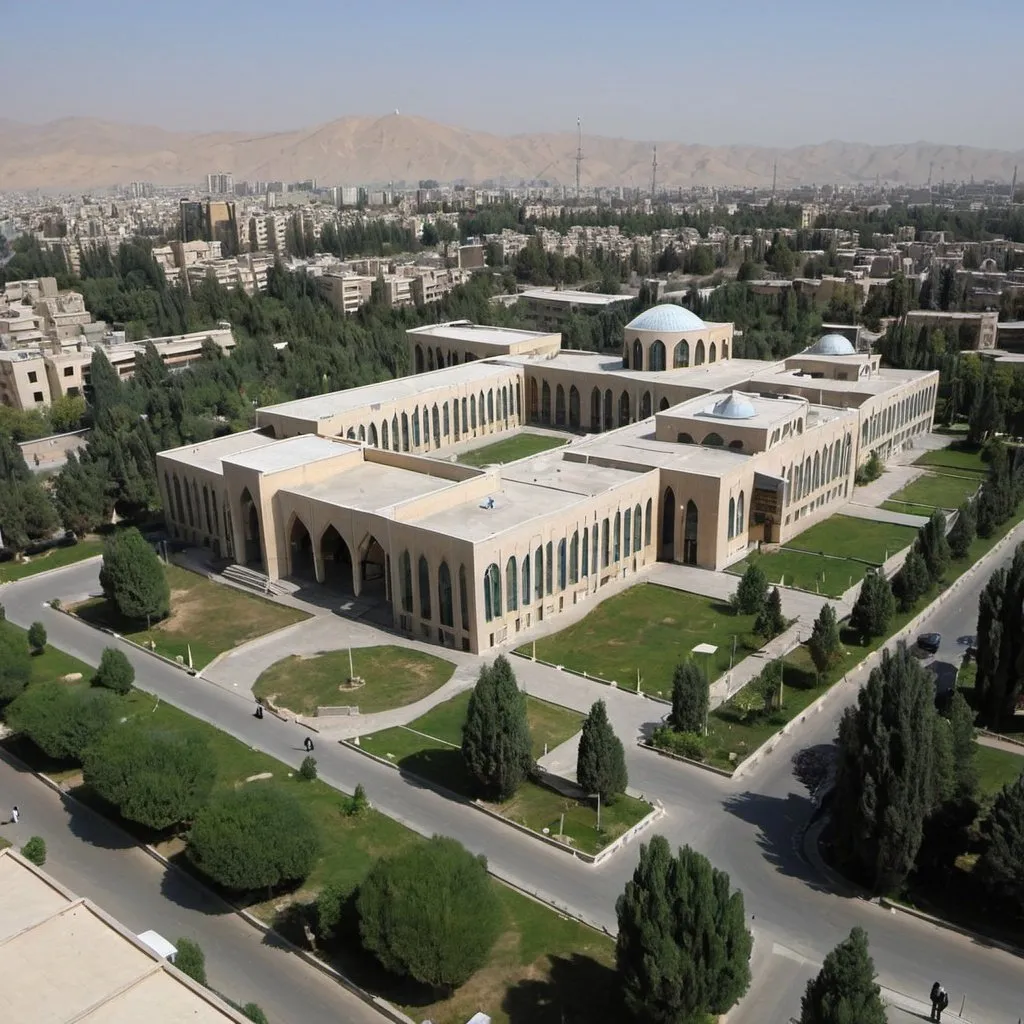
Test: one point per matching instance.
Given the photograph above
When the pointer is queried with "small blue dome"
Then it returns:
(733, 407)
(666, 319)
(833, 345)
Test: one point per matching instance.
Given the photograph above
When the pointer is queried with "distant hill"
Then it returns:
(85, 153)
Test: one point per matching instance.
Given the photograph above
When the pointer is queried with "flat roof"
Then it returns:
(373, 486)
(207, 455)
(876, 384)
(64, 959)
(767, 411)
(337, 403)
(465, 330)
(569, 296)
(290, 453)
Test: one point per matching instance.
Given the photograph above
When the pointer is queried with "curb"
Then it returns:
(590, 679)
(644, 745)
(47, 572)
(887, 904)
(999, 736)
(376, 1002)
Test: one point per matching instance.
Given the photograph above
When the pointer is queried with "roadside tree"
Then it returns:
(844, 991)
(601, 760)
(133, 579)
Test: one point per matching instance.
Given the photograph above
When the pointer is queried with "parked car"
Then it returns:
(929, 642)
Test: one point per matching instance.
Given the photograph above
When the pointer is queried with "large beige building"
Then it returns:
(675, 450)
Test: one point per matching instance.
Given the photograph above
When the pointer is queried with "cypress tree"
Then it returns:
(689, 698)
(1000, 643)
(825, 644)
(844, 991)
(752, 591)
(496, 744)
(132, 577)
(770, 621)
(874, 607)
(887, 772)
(601, 760)
(911, 581)
(931, 540)
(961, 537)
(1001, 867)
(683, 948)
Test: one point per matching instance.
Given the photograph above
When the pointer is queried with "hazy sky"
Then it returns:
(774, 72)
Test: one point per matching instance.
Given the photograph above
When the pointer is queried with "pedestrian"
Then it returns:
(942, 1003)
(259, 710)
(15, 814)
(934, 996)
(307, 743)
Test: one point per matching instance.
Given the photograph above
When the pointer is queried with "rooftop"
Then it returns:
(291, 453)
(877, 384)
(567, 295)
(666, 318)
(465, 330)
(208, 454)
(749, 409)
(373, 486)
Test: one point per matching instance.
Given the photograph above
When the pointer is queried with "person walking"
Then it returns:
(941, 1003)
(259, 710)
(934, 996)
(308, 744)
(15, 814)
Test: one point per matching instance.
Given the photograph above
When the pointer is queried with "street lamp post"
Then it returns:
(709, 650)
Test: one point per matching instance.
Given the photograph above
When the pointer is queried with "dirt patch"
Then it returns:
(184, 614)
(170, 847)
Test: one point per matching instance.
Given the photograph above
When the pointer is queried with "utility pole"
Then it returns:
(775, 176)
(1013, 185)
(579, 153)
(654, 173)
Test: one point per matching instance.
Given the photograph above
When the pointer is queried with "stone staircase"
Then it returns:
(253, 579)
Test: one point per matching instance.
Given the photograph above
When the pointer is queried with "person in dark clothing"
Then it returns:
(307, 743)
(934, 996)
(941, 1003)
(259, 710)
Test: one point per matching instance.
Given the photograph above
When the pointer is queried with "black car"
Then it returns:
(929, 642)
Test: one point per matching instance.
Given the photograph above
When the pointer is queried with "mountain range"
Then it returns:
(87, 153)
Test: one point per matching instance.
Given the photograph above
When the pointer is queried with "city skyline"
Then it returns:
(873, 74)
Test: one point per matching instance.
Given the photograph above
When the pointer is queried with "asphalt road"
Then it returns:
(747, 827)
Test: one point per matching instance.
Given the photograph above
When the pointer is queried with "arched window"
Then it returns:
(426, 426)
(593, 552)
(681, 355)
(383, 434)
(624, 408)
(645, 405)
(684, 438)
(807, 475)
(545, 402)
(405, 580)
(605, 543)
(595, 410)
(362, 432)
(637, 527)
(435, 419)
(472, 412)
(690, 534)
(732, 518)
(405, 431)
(526, 580)
(625, 355)
(713, 440)
(560, 405)
(627, 522)
(447, 421)
(464, 598)
(741, 522)
(648, 516)
(490, 406)
(416, 427)
(424, 574)
(574, 557)
(698, 359)
(504, 404)
(638, 355)
(492, 593)
(608, 409)
(617, 538)
(657, 356)
(789, 485)
(538, 573)
(574, 407)
(736, 446)
(561, 564)
(351, 433)
(817, 471)
(712, 353)
(465, 418)
(444, 595)
(585, 567)
(549, 569)
(511, 584)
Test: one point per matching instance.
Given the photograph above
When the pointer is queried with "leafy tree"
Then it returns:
(191, 960)
(115, 671)
(253, 1012)
(307, 770)
(156, 778)
(888, 771)
(35, 850)
(683, 948)
(37, 637)
(999, 676)
(844, 991)
(1001, 866)
(430, 912)
(690, 698)
(963, 747)
(80, 494)
(770, 621)
(496, 742)
(931, 539)
(15, 666)
(132, 577)
(62, 721)
(874, 607)
(258, 837)
(752, 591)
(66, 413)
(912, 581)
(964, 530)
(824, 643)
(601, 761)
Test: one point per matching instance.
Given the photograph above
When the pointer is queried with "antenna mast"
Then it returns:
(1013, 185)
(775, 176)
(654, 173)
(579, 154)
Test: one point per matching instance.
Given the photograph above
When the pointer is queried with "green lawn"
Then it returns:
(650, 628)
(933, 490)
(52, 663)
(959, 456)
(819, 574)
(55, 558)
(510, 449)
(429, 748)
(206, 617)
(997, 767)
(393, 677)
(847, 537)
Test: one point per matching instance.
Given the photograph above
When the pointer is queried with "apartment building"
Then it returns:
(345, 291)
(550, 309)
(24, 384)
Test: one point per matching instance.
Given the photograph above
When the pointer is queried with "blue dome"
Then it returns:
(666, 319)
(833, 345)
(733, 407)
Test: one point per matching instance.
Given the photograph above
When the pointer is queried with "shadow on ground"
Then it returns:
(577, 988)
(90, 825)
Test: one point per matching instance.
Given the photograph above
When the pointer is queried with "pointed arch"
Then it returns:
(538, 573)
(741, 517)
(624, 409)
(606, 542)
(648, 522)
(424, 582)
(657, 356)
(405, 431)
(625, 355)
(492, 593)
(300, 550)
(447, 425)
(712, 353)
(464, 598)
(585, 554)
(595, 410)
(351, 433)
(405, 581)
(545, 402)
(574, 557)
(698, 358)
(574, 407)
(362, 432)
(627, 531)
(336, 559)
(725, 350)
(251, 535)
(526, 579)
(511, 584)
(663, 405)
(549, 568)
(668, 525)
(472, 412)
(645, 405)
(534, 409)
(690, 524)
(608, 405)
(435, 421)
(561, 564)
(416, 427)
(681, 355)
(560, 406)
(638, 355)
(732, 518)
(617, 538)
(638, 527)
(490, 405)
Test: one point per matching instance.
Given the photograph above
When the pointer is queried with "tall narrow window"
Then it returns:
(585, 570)
(549, 569)
(605, 544)
(617, 546)
(424, 580)
(526, 580)
(538, 573)
(511, 584)
(574, 557)
(627, 520)
(561, 564)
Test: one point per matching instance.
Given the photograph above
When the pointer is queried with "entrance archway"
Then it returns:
(690, 534)
(253, 552)
(336, 560)
(667, 549)
(300, 551)
(373, 570)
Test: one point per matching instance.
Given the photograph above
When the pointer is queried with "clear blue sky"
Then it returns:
(775, 72)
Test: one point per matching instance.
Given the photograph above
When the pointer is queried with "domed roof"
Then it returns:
(666, 318)
(733, 407)
(833, 345)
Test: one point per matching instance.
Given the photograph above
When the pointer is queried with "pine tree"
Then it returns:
(601, 760)
(133, 579)
(770, 621)
(911, 581)
(825, 644)
(934, 547)
(1000, 673)
(887, 772)
(1001, 866)
(961, 537)
(689, 698)
(964, 748)
(683, 948)
(844, 991)
(105, 388)
(874, 607)
(496, 744)
(752, 591)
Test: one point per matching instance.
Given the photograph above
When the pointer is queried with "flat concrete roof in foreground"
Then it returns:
(483, 334)
(208, 454)
(290, 453)
(62, 960)
(372, 487)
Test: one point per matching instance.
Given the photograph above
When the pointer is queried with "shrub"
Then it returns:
(254, 1013)
(685, 744)
(133, 579)
(37, 637)
(55, 604)
(752, 591)
(356, 804)
(307, 770)
(191, 960)
(115, 671)
(15, 666)
(35, 851)
(63, 722)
